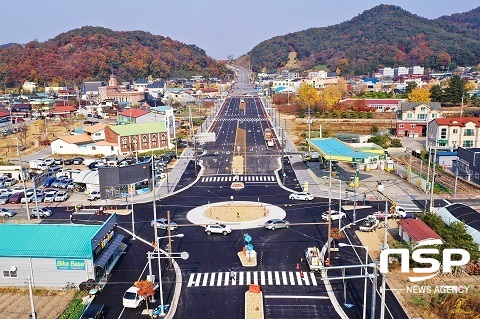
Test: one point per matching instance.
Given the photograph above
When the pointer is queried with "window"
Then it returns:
(134, 142)
(443, 133)
(124, 142)
(433, 115)
(467, 143)
(10, 273)
(442, 143)
(412, 125)
(94, 148)
(422, 116)
(164, 139)
(422, 109)
(455, 131)
(468, 132)
(144, 140)
(409, 116)
(154, 140)
(477, 175)
(400, 125)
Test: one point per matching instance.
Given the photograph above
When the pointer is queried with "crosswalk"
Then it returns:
(408, 205)
(239, 178)
(241, 119)
(243, 278)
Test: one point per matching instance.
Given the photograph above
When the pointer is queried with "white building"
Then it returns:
(29, 86)
(401, 70)
(450, 133)
(416, 70)
(388, 72)
(83, 145)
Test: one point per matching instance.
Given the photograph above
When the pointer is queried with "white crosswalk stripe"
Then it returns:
(245, 278)
(240, 178)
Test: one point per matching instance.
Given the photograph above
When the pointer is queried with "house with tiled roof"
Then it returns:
(96, 132)
(377, 105)
(142, 137)
(113, 91)
(133, 115)
(412, 118)
(416, 231)
(450, 133)
(83, 144)
(63, 111)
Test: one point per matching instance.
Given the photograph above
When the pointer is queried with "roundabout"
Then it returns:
(236, 214)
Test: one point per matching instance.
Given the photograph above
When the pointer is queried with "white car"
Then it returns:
(335, 215)
(5, 212)
(94, 195)
(61, 197)
(301, 196)
(162, 223)
(42, 212)
(217, 229)
(49, 197)
(160, 175)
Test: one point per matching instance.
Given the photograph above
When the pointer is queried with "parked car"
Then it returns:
(276, 223)
(10, 182)
(58, 161)
(78, 160)
(94, 195)
(94, 311)
(160, 175)
(217, 229)
(87, 122)
(5, 212)
(40, 196)
(61, 196)
(98, 116)
(16, 198)
(68, 161)
(334, 215)
(301, 196)
(162, 223)
(4, 198)
(65, 182)
(42, 212)
(49, 161)
(70, 187)
(58, 180)
(49, 197)
(48, 182)
(95, 165)
(29, 198)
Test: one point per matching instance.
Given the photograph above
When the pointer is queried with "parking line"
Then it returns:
(212, 279)
(190, 280)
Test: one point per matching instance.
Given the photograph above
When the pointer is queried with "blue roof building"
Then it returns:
(54, 254)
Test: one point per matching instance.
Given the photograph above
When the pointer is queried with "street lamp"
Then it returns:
(157, 242)
(22, 175)
(365, 284)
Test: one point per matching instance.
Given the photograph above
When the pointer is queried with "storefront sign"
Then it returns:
(70, 264)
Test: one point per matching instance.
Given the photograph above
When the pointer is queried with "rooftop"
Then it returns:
(47, 240)
(418, 230)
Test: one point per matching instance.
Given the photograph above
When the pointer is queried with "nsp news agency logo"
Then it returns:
(419, 256)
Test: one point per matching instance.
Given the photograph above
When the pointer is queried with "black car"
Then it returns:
(87, 122)
(68, 161)
(78, 160)
(94, 311)
(97, 116)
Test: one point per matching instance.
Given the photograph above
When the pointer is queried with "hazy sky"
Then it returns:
(220, 27)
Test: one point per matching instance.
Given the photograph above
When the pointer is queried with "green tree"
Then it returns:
(436, 94)
(474, 100)
(455, 90)
(374, 130)
(410, 86)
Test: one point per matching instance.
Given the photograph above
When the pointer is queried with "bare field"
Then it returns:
(15, 304)
(235, 212)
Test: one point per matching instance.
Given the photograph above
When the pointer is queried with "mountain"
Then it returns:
(93, 53)
(384, 36)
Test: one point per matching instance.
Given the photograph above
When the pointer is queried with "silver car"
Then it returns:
(5, 212)
(42, 212)
(162, 223)
(276, 223)
(4, 198)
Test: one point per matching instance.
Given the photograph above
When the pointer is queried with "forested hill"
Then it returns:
(93, 53)
(384, 36)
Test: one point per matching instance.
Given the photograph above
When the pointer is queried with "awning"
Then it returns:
(117, 241)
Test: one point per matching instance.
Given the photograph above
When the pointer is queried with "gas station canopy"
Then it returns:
(336, 150)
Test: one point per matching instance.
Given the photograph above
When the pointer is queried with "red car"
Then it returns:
(16, 198)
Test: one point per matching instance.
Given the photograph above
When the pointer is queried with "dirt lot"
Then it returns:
(235, 212)
(15, 303)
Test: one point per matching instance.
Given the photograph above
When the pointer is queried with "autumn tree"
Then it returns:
(419, 95)
(145, 289)
(443, 60)
(307, 97)
(22, 133)
(330, 96)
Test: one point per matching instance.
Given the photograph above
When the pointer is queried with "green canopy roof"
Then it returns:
(140, 128)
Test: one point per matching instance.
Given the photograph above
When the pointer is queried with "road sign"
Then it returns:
(249, 247)
(248, 238)
(205, 137)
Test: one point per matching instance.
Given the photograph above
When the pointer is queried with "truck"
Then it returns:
(131, 298)
(38, 164)
(311, 157)
(313, 258)
(369, 224)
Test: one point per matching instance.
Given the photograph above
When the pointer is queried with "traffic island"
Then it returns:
(254, 303)
(248, 258)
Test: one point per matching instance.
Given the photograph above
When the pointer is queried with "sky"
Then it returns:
(220, 27)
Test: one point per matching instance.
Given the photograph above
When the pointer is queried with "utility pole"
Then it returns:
(329, 208)
(32, 305)
(309, 128)
(22, 175)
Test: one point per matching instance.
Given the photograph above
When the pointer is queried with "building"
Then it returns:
(96, 132)
(131, 116)
(113, 91)
(120, 182)
(416, 231)
(83, 144)
(413, 117)
(451, 133)
(144, 137)
(468, 164)
(30, 87)
(461, 213)
(50, 260)
(378, 105)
